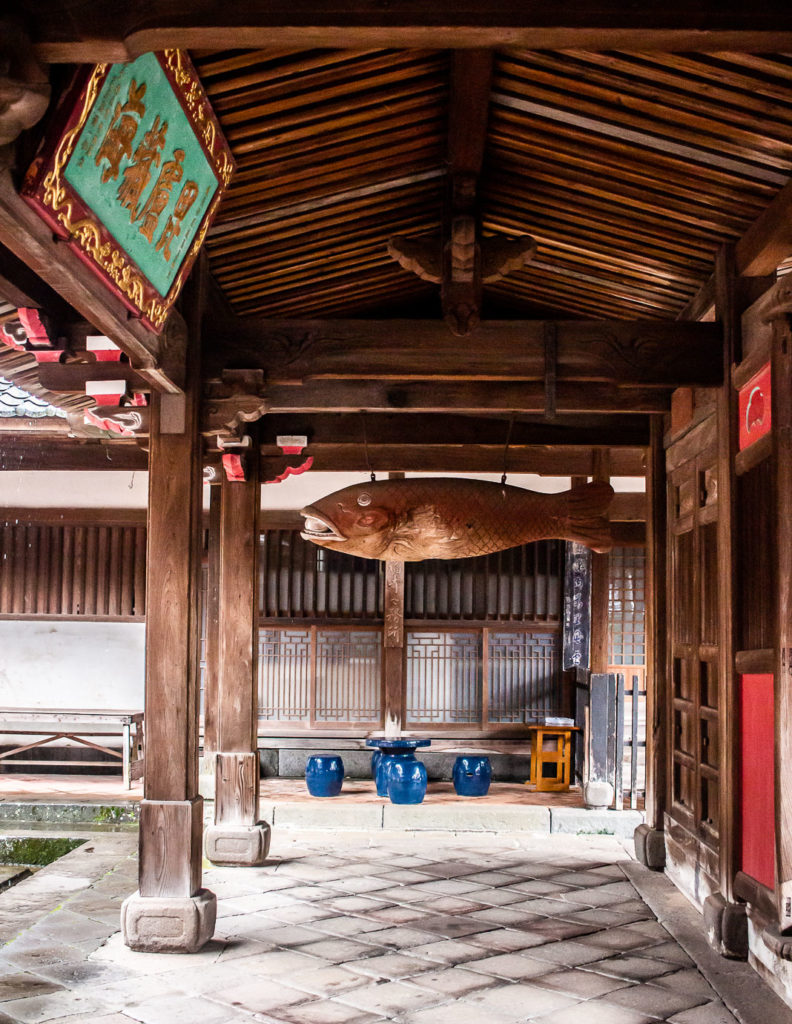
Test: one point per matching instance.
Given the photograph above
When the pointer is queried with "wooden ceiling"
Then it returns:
(629, 169)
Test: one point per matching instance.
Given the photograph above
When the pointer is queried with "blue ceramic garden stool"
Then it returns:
(391, 750)
(406, 780)
(472, 776)
(324, 775)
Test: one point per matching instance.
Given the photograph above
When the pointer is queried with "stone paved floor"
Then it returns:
(418, 928)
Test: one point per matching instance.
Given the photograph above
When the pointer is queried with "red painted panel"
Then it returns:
(757, 744)
(754, 405)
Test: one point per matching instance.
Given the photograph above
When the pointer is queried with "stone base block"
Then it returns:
(237, 845)
(598, 795)
(168, 924)
(650, 847)
(727, 927)
(777, 943)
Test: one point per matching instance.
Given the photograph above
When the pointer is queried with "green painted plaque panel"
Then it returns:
(141, 170)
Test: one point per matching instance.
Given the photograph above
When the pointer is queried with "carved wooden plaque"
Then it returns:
(132, 175)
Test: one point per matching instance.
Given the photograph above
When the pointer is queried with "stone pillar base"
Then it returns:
(206, 776)
(237, 845)
(727, 927)
(780, 945)
(168, 924)
(598, 795)
(650, 847)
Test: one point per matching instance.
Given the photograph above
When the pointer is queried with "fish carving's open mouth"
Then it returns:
(318, 526)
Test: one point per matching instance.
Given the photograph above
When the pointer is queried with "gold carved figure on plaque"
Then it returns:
(120, 135)
(138, 174)
(172, 229)
(160, 195)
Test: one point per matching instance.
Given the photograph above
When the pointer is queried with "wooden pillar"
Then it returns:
(211, 640)
(649, 838)
(728, 693)
(393, 648)
(237, 837)
(171, 912)
(782, 441)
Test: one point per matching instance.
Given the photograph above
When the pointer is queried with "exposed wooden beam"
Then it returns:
(29, 238)
(72, 377)
(114, 31)
(645, 354)
(38, 453)
(445, 430)
(768, 241)
(462, 459)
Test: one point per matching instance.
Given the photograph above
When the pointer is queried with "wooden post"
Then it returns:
(782, 440)
(728, 694)
(393, 648)
(649, 838)
(211, 648)
(171, 912)
(236, 836)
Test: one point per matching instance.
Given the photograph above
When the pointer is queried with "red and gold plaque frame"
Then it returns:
(74, 185)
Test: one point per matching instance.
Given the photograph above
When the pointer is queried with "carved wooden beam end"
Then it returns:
(24, 87)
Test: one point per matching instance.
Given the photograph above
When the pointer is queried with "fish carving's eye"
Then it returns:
(364, 499)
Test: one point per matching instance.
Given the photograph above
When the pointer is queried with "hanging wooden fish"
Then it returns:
(413, 519)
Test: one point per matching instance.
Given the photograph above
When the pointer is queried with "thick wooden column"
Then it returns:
(237, 837)
(782, 441)
(649, 838)
(171, 911)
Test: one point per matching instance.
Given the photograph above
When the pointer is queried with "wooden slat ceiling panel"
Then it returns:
(336, 151)
(629, 170)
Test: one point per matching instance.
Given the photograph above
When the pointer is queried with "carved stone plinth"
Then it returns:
(168, 924)
(237, 845)
(650, 847)
(597, 795)
(727, 927)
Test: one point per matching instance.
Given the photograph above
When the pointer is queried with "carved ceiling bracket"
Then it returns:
(24, 87)
(776, 303)
(237, 400)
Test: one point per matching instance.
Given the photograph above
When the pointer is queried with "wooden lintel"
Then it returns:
(470, 397)
(640, 354)
(35, 453)
(116, 32)
(29, 238)
(72, 377)
(461, 459)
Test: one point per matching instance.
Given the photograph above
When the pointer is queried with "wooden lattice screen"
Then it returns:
(82, 569)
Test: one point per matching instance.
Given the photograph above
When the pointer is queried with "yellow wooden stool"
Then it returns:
(558, 752)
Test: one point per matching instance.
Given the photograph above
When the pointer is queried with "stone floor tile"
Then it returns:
(623, 939)
(669, 952)
(581, 983)
(360, 884)
(353, 903)
(491, 878)
(287, 935)
(567, 953)
(282, 963)
(448, 951)
(690, 981)
(404, 876)
(390, 998)
(299, 913)
(391, 966)
(449, 1013)
(326, 981)
(23, 983)
(405, 894)
(452, 905)
(548, 907)
(454, 981)
(460, 926)
(601, 918)
(50, 1006)
(260, 996)
(396, 915)
(634, 968)
(504, 917)
(403, 936)
(507, 940)
(710, 1013)
(325, 1012)
(180, 1008)
(86, 1018)
(338, 951)
(451, 886)
(592, 1012)
(76, 974)
(520, 1001)
(499, 897)
(512, 966)
(311, 893)
(352, 926)
(654, 1000)
(538, 887)
(554, 929)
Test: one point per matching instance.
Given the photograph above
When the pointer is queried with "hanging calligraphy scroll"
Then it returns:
(133, 175)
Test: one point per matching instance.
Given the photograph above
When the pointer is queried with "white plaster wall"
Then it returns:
(68, 664)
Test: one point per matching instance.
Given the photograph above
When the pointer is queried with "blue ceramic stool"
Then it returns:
(406, 780)
(376, 757)
(324, 775)
(472, 776)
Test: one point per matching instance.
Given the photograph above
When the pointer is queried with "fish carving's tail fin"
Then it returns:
(587, 519)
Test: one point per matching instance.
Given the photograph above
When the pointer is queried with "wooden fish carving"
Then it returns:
(410, 520)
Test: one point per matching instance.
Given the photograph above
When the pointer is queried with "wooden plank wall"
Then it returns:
(74, 568)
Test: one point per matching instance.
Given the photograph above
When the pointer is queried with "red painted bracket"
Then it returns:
(234, 467)
(291, 471)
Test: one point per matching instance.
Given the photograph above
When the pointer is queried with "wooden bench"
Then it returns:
(59, 724)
